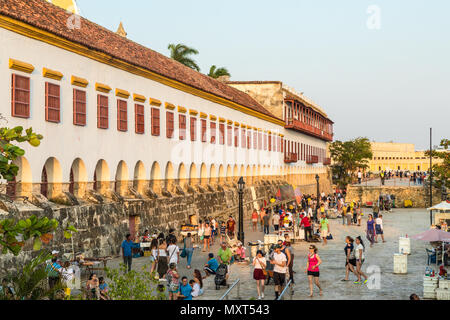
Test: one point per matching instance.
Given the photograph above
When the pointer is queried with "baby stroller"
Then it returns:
(220, 279)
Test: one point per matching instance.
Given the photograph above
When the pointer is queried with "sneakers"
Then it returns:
(365, 281)
(259, 297)
(357, 282)
(262, 296)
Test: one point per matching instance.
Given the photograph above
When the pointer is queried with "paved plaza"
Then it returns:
(394, 182)
(392, 286)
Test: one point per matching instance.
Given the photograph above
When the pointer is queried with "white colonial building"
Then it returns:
(116, 115)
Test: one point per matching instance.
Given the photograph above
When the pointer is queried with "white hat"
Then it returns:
(55, 252)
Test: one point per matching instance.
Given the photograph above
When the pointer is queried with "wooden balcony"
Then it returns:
(308, 129)
(312, 159)
(327, 161)
(290, 158)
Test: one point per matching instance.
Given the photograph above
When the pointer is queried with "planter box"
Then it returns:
(444, 284)
(443, 294)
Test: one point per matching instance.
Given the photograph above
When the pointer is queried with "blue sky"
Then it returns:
(387, 84)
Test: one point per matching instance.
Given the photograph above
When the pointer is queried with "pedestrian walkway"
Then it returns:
(394, 182)
(398, 223)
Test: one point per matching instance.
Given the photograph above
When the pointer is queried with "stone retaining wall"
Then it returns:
(103, 226)
(417, 195)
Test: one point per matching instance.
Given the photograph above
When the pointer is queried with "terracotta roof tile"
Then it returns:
(45, 16)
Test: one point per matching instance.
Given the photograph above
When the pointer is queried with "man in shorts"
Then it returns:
(223, 231)
(230, 227)
(276, 221)
(280, 269)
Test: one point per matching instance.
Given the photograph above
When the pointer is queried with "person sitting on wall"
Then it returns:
(239, 253)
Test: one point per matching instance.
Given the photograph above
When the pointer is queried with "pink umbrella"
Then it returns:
(432, 235)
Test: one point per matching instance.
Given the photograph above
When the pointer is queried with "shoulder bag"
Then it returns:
(183, 253)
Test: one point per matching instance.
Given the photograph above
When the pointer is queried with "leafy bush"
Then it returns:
(133, 285)
(30, 283)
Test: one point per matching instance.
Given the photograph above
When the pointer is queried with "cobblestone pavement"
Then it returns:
(392, 286)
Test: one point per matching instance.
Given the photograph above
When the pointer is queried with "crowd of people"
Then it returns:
(310, 216)
(415, 177)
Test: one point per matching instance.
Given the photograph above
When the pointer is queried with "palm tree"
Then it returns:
(181, 53)
(215, 72)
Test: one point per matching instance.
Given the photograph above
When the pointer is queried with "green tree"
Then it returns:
(14, 234)
(9, 151)
(30, 282)
(182, 54)
(348, 157)
(215, 72)
(441, 171)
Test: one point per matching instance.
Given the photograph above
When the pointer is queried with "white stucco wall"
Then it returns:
(66, 142)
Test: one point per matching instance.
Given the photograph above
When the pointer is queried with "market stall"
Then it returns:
(436, 282)
(442, 212)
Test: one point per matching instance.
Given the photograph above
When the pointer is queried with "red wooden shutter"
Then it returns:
(139, 119)
(193, 127)
(236, 137)
(222, 133)
(243, 136)
(229, 135)
(52, 102)
(255, 140)
(79, 107)
(213, 132)
(265, 141)
(259, 140)
(122, 115)
(169, 125)
(182, 126)
(20, 96)
(249, 139)
(102, 111)
(270, 141)
(156, 127)
(204, 129)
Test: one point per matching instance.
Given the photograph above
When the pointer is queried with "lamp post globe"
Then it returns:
(241, 186)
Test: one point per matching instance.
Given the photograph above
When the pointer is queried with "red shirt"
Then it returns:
(230, 225)
(305, 222)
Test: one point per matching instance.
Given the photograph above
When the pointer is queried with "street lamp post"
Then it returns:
(318, 196)
(431, 176)
(241, 186)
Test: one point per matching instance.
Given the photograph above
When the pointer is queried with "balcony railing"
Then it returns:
(312, 159)
(327, 161)
(308, 129)
(290, 157)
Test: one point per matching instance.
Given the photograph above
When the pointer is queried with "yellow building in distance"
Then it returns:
(398, 156)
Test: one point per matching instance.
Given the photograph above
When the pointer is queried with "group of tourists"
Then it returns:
(310, 214)
(416, 177)
(354, 254)
(351, 213)
(211, 228)
(279, 266)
